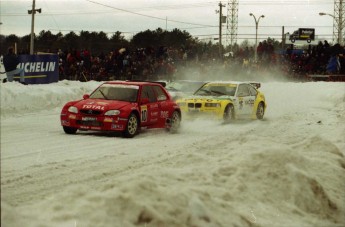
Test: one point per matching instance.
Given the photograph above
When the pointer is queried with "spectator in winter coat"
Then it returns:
(11, 61)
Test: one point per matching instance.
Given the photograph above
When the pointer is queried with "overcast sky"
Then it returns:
(198, 17)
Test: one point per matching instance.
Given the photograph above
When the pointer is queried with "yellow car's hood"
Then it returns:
(205, 99)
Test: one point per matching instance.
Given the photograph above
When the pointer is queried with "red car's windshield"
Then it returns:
(127, 93)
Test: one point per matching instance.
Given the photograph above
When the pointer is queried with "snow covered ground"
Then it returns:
(287, 170)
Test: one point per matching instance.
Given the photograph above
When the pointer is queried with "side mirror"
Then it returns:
(86, 96)
(144, 100)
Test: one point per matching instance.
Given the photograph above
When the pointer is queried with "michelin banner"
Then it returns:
(40, 69)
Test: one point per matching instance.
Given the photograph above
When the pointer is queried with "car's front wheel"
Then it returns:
(175, 122)
(229, 113)
(132, 126)
(260, 111)
(69, 130)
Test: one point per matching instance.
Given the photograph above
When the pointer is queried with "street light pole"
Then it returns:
(340, 26)
(256, 34)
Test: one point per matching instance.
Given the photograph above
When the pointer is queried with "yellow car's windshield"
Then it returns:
(217, 90)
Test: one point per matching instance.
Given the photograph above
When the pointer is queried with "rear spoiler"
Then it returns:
(257, 85)
(157, 82)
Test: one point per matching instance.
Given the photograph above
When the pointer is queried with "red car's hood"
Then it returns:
(100, 104)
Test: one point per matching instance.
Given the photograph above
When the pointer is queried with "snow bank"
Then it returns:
(19, 99)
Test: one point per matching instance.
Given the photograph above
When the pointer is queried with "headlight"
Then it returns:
(73, 109)
(208, 104)
(112, 112)
(181, 103)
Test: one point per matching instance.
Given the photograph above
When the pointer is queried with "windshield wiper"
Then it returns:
(105, 97)
(207, 92)
(218, 92)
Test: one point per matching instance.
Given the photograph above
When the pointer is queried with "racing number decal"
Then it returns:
(143, 113)
(241, 103)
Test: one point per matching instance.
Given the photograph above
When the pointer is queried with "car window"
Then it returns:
(116, 92)
(231, 90)
(243, 90)
(252, 91)
(161, 96)
(147, 92)
(216, 90)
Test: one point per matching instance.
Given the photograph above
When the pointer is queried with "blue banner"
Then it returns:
(40, 69)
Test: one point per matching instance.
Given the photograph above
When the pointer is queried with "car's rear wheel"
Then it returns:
(175, 122)
(229, 113)
(260, 111)
(69, 130)
(132, 126)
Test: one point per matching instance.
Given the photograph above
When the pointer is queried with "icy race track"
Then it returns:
(287, 170)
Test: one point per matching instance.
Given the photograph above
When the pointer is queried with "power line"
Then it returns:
(144, 15)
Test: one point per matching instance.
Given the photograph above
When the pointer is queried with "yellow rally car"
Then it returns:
(226, 100)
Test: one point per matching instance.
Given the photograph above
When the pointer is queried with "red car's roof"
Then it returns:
(128, 82)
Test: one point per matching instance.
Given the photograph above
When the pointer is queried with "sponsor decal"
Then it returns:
(35, 67)
(72, 116)
(154, 114)
(89, 119)
(250, 102)
(96, 128)
(114, 126)
(108, 119)
(63, 122)
(154, 106)
(40, 69)
(143, 113)
(93, 107)
(164, 114)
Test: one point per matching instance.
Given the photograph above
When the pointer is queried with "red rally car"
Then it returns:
(125, 106)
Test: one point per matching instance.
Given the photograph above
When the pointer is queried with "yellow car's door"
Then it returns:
(245, 100)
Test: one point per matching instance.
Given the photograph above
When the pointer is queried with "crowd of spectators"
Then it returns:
(168, 63)
(142, 63)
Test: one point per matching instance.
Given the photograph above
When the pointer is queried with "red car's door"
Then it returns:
(164, 104)
(149, 109)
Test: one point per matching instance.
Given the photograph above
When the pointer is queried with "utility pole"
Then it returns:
(232, 23)
(221, 20)
(338, 21)
(33, 12)
(283, 37)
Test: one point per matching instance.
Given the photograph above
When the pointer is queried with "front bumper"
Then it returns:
(209, 112)
(98, 123)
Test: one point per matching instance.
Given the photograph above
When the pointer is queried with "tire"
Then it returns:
(292, 40)
(260, 111)
(229, 114)
(69, 130)
(175, 122)
(132, 126)
(308, 40)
